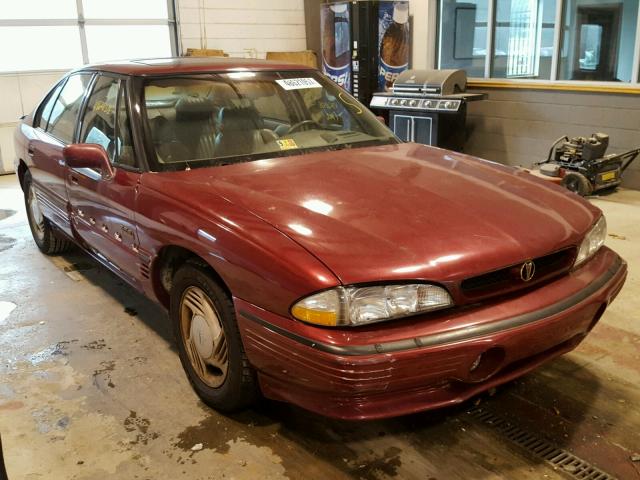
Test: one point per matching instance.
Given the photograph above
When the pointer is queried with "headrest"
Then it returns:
(238, 118)
(194, 108)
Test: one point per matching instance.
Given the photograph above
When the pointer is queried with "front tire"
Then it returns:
(209, 342)
(47, 239)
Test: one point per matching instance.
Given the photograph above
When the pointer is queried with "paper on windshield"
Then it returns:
(298, 83)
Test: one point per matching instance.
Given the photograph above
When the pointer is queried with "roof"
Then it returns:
(159, 66)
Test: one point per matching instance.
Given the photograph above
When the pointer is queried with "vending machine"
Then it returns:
(365, 44)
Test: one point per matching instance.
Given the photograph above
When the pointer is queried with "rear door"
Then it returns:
(103, 208)
(53, 128)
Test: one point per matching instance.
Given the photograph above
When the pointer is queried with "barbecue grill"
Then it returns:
(428, 106)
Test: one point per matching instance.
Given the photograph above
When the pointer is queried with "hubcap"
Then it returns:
(37, 219)
(203, 337)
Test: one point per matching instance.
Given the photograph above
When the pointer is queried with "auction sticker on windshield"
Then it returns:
(298, 83)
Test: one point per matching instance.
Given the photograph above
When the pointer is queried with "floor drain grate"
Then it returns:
(559, 458)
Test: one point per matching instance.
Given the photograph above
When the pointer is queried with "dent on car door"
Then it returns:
(103, 207)
(52, 129)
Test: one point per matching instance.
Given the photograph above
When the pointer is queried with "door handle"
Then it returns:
(73, 179)
(30, 151)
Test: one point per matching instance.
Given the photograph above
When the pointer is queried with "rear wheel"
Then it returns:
(209, 341)
(577, 183)
(47, 239)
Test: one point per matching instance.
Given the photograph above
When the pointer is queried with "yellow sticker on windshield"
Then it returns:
(287, 144)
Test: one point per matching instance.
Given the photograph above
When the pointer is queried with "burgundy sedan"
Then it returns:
(302, 251)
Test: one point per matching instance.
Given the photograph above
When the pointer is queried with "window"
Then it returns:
(106, 121)
(38, 9)
(524, 39)
(99, 122)
(43, 47)
(139, 9)
(42, 118)
(463, 35)
(61, 34)
(64, 114)
(541, 39)
(113, 42)
(598, 40)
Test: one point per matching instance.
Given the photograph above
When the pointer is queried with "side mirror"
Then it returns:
(88, 155)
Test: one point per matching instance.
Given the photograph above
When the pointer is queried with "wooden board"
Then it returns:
(306, 57)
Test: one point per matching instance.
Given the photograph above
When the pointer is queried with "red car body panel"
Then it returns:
(182, 65)
(415, 212)
(256, 261)
(382, 372)
(279, 229)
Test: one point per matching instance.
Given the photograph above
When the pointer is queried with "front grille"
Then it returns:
(508, 278)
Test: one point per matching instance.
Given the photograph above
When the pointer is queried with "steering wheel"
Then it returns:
(296, 126)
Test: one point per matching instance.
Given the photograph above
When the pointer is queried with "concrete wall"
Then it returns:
(517, 127)
(243, 28)
(20, 94)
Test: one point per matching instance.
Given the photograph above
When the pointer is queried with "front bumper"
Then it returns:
(426, 362)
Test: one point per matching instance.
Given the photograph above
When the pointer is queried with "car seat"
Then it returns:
(195, 126)
(241, 131)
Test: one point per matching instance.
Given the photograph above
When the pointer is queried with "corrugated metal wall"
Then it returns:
(243, 27)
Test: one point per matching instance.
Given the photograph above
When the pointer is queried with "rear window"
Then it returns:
(64, 112)
(42, 118)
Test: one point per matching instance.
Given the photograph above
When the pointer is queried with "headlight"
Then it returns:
(592, 241)
(348, 306)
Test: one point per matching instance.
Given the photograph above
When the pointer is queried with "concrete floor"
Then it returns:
(89, 391)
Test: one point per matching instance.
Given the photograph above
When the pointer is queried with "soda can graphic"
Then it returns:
(336, 43)
(393, 38)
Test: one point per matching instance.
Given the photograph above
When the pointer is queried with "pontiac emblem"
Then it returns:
(527, 271)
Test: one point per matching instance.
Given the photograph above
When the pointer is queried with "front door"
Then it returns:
(103, 208)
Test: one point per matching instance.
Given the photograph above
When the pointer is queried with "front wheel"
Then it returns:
(46, 238)
(209, 342)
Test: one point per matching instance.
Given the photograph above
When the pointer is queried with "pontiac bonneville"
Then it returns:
(303, 252)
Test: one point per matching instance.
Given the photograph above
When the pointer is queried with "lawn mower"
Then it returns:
(580, 164)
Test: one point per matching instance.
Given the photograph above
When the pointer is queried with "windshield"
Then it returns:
(218, 119)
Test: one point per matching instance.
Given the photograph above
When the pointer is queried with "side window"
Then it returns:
(64, 113)
(125, 153)
(106, 121)
(99, 123)
(42, 117)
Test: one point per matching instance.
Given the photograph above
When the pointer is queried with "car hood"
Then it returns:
(406, 211)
